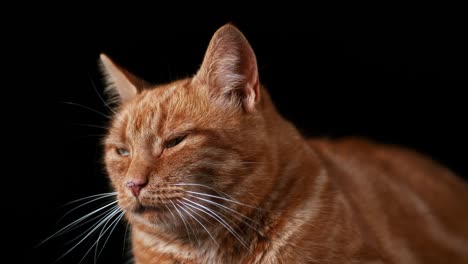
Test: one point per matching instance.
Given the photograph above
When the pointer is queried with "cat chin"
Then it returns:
(151, 217)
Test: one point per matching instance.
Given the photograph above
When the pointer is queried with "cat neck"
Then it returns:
(298, 169)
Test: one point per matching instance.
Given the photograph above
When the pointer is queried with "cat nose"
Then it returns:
(135, 186)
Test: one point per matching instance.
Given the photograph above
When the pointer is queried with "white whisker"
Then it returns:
(170, 211)
(204, 227)
(90, 125)
(90, 135)
(228, 209)
(100, 216)
(95, 244)
(99, 197)
(72, 224)
(125, 238)
(103, 195)
(89, 108)
(225, 199)
(100, 97)
(115, 211)
(115, 222)
(219, 219)
(101, 233)
(191, 227)
(202, 185)
(182, 218)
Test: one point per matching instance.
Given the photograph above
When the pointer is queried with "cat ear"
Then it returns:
(229, 68)
(121, 84)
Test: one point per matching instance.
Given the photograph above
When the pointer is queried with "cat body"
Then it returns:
(207, 171)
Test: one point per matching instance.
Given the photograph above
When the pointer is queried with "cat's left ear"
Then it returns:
(229, 69)
(121, 84)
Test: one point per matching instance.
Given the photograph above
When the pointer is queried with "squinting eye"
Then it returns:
(174, 142)
(123, 152)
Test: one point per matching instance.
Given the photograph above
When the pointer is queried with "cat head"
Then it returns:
(191, 144)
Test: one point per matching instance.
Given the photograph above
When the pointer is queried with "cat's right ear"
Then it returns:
(122, 86)
(229, 69)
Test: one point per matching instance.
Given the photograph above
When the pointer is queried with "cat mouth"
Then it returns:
(149, 210)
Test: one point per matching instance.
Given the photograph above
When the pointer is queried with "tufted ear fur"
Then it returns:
(229, 69)
(122, 85)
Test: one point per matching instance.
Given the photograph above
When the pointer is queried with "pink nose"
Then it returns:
(136, 186)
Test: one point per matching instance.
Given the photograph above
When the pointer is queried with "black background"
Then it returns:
(393, 74)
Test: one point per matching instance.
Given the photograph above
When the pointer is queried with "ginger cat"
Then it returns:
(207, 171)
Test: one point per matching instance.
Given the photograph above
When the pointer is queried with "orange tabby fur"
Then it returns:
(317, 201)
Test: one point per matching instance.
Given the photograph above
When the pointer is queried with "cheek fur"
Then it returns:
(116, 168)
(120, 167)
